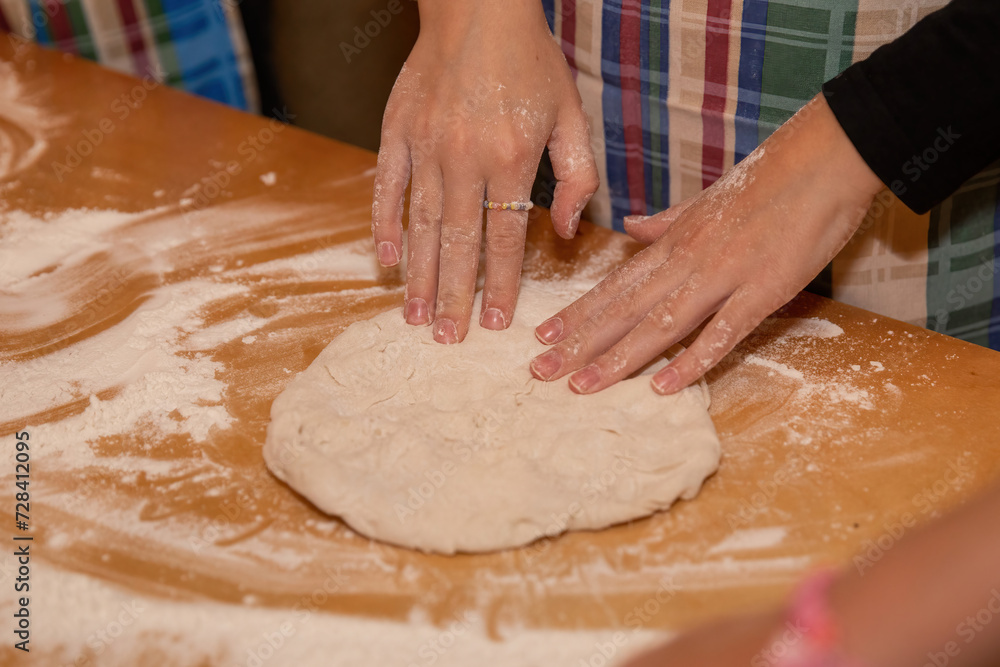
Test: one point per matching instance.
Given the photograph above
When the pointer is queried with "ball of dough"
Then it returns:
(447, 448)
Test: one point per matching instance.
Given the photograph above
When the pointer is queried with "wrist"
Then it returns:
(446, 22)
(845, 169)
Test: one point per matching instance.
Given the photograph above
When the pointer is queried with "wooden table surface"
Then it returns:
(827, 440)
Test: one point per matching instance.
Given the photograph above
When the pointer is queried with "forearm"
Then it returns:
(924, 595)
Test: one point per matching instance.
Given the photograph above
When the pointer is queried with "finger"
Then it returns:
(574, 168)
(505, 236)
(608, 326)
(734, 321)
(570, 318)
(666, 324)
(423, 245)
(648, 228)
(392, 172)
(461, 236)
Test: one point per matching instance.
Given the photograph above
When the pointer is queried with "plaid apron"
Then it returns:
(680, 90)
(195, 45)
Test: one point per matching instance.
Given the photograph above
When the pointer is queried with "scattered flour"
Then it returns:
(128, 628)
(775, 366)
(29, 245)
(801, 327)
(25, 128)
(749, 539)
(144, 357)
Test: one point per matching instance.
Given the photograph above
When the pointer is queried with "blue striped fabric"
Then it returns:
(752, 42)
(197, 45)
(205, 51)
(654, 25)
(41, 25)
(614, 122)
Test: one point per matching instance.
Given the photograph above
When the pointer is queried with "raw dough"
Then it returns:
(457, 448)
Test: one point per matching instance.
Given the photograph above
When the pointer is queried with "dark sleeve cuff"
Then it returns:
(924, 110)
(875, 133)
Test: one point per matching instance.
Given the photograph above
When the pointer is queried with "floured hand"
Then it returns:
(484, 90)
(738, 250)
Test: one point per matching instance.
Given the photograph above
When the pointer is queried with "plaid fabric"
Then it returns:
(197, 45)
(680, 90)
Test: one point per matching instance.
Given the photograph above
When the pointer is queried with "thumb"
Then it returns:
(574, 168)
(648, 228)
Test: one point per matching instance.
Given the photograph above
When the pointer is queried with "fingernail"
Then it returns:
(665, 382)
(493, 319)
(446, 332)
(549, 330)
(416, 311)
(585, 380)
(545, 366)
(387, 255)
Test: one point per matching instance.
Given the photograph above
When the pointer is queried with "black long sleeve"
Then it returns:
(924, 110)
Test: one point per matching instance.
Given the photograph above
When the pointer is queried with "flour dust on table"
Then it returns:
(458, 448)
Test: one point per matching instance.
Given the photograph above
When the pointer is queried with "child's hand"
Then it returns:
(484, 90)
(739, 249)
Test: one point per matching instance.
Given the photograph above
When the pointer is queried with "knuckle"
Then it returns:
(661, 321)
(510, 148)
(461, 139)
(615, 362)
(574, 348)
(464, 237)
(424, 126)
(589, 181)
(454, 302)
(505, 240)
(619, 310)
(421, 219)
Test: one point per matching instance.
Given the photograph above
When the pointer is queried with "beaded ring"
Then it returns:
(508, 206)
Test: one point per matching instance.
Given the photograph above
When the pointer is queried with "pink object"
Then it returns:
(810, 636)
